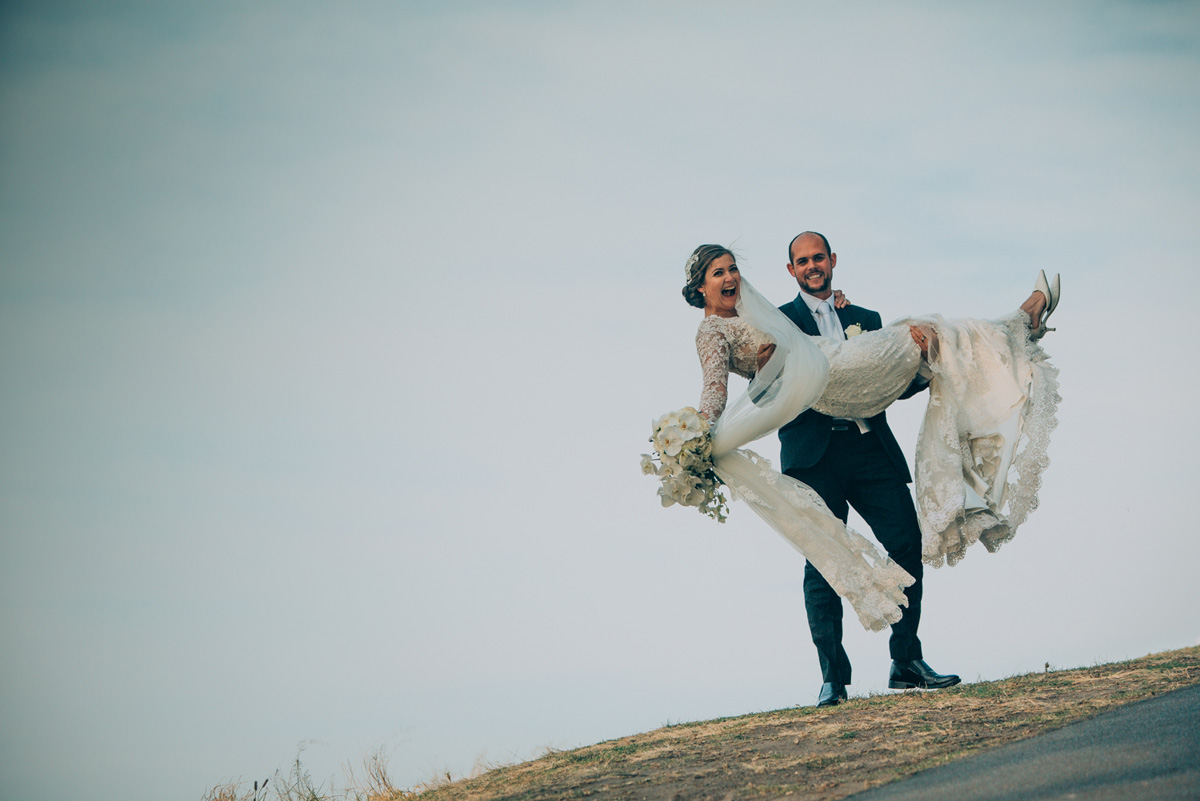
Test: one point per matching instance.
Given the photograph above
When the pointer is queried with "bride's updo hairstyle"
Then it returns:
(697, 268)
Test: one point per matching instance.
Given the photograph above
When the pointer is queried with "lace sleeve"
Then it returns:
(713, 350)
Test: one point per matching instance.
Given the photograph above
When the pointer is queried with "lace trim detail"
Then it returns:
(967, 450)
(1040, 418)
(744, 493)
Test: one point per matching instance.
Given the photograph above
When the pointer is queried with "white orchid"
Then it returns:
(668, 420)
(676, 488)
(672, 468)
(691, 423)
(669, 441)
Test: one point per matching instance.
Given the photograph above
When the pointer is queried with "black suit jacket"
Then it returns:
(804, 440)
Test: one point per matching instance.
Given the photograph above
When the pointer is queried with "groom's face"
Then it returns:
(812, 266)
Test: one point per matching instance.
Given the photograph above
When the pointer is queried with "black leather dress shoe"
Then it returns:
(907, 675)
(832, 694)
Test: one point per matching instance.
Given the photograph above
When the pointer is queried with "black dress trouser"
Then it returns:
(856, 471)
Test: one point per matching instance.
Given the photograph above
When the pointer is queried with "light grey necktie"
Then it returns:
(828, 326)
(825, 322)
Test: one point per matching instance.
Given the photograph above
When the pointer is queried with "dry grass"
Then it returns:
(376, 785)
(237, 791)
(800, 753)
(828, 754)
(368, 782)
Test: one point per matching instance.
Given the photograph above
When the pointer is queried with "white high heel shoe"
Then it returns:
(1052, 296)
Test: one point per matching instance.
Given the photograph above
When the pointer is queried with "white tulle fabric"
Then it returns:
(993, 403)
(788, 383)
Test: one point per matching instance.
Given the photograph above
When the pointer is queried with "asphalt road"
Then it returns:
(1147, 751)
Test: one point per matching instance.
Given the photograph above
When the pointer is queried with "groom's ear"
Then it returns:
(791, 269)
(832, 260)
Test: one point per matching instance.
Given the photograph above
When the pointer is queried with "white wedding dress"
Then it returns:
(993, 398)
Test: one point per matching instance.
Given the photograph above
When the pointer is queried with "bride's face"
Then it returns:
(721, 285)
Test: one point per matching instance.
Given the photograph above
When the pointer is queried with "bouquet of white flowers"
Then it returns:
(683, 447)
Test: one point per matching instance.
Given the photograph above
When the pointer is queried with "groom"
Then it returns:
(852, 463)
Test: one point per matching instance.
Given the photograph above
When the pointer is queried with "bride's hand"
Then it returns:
(764, 353)
(839, 299)
(925, 341)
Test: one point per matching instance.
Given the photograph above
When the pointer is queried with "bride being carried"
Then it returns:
(993, 397)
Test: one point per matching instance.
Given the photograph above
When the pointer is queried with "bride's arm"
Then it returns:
(713, 350)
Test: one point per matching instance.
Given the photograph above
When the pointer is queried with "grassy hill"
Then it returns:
(808, 753)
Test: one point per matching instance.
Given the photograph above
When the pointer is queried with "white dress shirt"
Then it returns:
(830, 326)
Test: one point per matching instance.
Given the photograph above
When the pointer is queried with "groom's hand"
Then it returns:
(924, 340)
(764, 354)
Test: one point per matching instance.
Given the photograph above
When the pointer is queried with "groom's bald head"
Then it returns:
(791, 245)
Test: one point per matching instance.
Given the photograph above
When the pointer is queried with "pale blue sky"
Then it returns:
(330, 337)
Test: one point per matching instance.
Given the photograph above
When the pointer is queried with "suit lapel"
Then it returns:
(849, 316)
(802, 316)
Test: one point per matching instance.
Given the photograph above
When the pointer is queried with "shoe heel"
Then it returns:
(901, 685)
(1052, 298)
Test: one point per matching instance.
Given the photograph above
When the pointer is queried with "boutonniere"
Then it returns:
(853, 330)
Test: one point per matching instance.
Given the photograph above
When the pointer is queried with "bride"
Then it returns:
(992, 405)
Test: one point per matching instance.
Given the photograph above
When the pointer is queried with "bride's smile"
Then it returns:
(721, 285)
